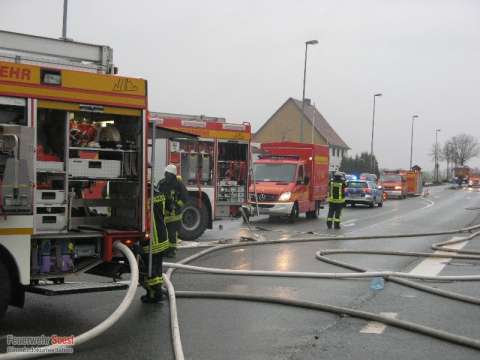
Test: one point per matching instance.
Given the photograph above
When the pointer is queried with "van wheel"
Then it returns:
(5, 289)
(294, 214)
(194, 222)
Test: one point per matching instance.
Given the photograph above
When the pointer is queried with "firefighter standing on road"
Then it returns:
(176, 196)
(336, 200)
(160, 244)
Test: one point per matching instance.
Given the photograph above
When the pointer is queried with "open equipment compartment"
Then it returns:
(232, 178)
(105, 169)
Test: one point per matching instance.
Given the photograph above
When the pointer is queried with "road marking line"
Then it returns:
(433, 266)
(348, 224)
(349, 221)
(431, 203)
(374, 327)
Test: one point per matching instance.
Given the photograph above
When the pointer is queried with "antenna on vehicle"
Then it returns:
(64, 26)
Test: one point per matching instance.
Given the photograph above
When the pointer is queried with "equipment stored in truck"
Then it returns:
(290, 179)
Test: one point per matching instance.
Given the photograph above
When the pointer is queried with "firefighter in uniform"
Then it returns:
(153, 284)
(176, 196)
(336, 200)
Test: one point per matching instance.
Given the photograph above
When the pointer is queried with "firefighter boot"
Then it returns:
(337, 225)
(329, 224)
(153, 296)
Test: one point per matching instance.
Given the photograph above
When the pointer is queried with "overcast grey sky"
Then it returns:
(242, 59)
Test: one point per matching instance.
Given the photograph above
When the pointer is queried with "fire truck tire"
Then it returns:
(294, 214)
(5, 288)
(194, 222)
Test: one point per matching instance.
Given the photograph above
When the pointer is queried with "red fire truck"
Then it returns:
(213, 167)
(289, 179)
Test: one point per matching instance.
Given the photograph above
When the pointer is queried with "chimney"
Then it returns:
(308, 102)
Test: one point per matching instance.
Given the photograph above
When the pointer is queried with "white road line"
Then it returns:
(348, 224)
(349, 221)
(433, 266)
(431, 203)
(374, 327)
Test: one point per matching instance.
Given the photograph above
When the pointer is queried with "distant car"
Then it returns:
(368, 177)
(363, 192)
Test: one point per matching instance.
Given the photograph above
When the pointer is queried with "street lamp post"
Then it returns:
(411, 142)
(436, 154)
(310, 42)
(372, 163)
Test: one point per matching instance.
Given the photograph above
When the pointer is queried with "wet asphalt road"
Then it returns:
(222, 329)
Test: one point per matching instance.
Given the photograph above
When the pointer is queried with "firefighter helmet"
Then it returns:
(109, 136)
(172, 169)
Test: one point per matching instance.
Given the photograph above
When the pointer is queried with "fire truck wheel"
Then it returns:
(294, 214)
(5, 288)
(194, 222)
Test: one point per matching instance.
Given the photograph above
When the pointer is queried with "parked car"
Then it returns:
(363, 192)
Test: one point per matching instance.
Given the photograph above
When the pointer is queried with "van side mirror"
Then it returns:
(306, 180)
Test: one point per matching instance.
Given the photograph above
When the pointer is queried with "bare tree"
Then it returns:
(448, 154)
(463, 148)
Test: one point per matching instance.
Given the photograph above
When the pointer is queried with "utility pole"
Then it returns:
(411, 142)
(436, 154)
(310, 42)
(65, 13)
(372, 163)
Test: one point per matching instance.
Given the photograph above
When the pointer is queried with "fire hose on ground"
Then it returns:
(105, 324)
(398, 277)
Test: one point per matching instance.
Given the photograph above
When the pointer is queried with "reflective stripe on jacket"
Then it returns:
(160, 236)
(336, 192)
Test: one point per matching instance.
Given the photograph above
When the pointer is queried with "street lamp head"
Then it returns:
(379, 94)
(438, 130)
(312, 42)
(415, 116)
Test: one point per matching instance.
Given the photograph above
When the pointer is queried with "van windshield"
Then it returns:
(275, 172)
(392, 178)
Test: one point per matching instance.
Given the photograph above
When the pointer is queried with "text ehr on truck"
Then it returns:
(289, 179)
